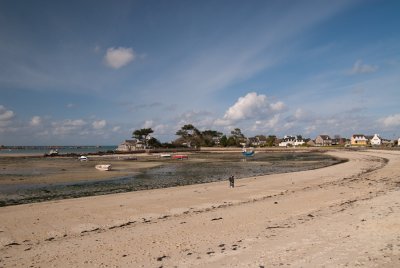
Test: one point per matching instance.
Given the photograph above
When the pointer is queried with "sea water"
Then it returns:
(41, 150)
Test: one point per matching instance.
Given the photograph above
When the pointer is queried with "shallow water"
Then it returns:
(202, 168)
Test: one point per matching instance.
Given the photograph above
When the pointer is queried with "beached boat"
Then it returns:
(179, 156)
(248, 151)
(83, 158)
(165, 155)
(103, 167)
(53, 152)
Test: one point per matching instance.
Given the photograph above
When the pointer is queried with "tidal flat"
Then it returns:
(36, 179)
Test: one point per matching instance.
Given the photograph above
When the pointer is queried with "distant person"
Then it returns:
(232, 181)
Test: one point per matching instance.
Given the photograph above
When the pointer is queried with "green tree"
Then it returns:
(209, 137)
(142, 135)
(190, 135)
(231, 141)
(223, 141)
(153, 142)
(271, 140)
(237, 136)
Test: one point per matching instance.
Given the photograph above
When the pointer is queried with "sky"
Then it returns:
(92, 72)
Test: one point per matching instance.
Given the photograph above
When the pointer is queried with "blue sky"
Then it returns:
(91, 72)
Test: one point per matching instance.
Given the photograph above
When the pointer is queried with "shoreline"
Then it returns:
(40, 179)
(263, 221)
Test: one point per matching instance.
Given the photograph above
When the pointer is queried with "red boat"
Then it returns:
(179, 156)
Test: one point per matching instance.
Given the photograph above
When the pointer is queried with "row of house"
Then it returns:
(355, 140)
(289, 141)
(326, 140)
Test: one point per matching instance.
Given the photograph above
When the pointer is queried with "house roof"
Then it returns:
(325, 137)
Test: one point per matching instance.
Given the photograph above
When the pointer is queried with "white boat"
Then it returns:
(83, 158)
(103, 167)
(165, 155)
(53, 152)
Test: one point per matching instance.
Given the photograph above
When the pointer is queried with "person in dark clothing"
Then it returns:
(232, 181)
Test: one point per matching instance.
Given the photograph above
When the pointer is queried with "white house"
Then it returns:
(376, 140)
(130, 145)
(291, 141)
(398, 142)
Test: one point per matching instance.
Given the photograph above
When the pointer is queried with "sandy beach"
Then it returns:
(345, 215)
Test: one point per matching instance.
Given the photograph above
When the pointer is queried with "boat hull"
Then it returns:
(103, 167)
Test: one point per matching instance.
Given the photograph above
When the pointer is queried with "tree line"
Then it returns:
(190, 136)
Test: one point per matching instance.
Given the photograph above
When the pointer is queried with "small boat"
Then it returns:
(179, 156)
(82, 158)
(103, 167)
(53, 152)
(165, 155)
(248, 151)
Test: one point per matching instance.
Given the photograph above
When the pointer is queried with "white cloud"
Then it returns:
(119, 57)
(68, 126)
(99, 124)
(35, 121)
(148, 124)
(278, 106)
(116, 128)
(360, 68)
(250, 107)
(5, 115)
(391, 121)
(70, 105)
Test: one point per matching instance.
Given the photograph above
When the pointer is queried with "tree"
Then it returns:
(190, 135)
(224, 141)
(153, 142)
(142, 135)
(210, 137)
(271, 140)
(237, 136)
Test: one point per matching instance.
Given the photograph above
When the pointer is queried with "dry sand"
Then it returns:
(343, 215)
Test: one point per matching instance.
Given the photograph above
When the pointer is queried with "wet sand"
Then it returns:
(20, 169)
(342, 215)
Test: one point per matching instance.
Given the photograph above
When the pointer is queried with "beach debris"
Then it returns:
(277, 227)
(162, 257)
(12, 244)
(88, 231)
(217, 219)
(146, 220)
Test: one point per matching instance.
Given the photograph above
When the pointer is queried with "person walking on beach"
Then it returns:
(232, 181)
